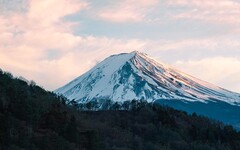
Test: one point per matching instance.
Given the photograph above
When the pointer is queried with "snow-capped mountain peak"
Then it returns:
(135, 75)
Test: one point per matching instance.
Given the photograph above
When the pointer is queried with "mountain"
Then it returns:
(135, 75)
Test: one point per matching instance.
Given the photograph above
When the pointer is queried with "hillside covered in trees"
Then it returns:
(34, 119)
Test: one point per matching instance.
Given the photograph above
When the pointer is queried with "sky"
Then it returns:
(55, 41)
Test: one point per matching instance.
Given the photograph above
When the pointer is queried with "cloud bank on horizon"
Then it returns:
(54, 41)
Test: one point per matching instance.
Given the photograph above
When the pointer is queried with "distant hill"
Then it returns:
(34, 119)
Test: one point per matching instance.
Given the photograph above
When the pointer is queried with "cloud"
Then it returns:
(7, 6)
(126, 11)
(222, 71)
(28, 36)
(210, 11)
(214, 11)
(193, 48)
(39, 27)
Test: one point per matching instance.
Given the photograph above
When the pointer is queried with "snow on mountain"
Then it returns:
(135, 75)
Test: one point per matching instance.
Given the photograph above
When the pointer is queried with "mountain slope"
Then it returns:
(137, 76)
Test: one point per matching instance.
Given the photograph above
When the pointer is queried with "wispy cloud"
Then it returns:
(126, 11)
(214, 11)
(218, 70)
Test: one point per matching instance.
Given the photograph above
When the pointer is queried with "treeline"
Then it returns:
(34, 119)
(107, 104)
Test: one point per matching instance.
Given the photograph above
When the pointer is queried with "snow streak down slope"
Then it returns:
(137, 76)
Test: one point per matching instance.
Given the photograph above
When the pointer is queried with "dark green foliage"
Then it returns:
(34, 119)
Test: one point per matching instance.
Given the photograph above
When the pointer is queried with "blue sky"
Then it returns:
(54, 41)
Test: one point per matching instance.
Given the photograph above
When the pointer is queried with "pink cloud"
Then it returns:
(123, 15)
(42, 26)
(214, 11)
(49, 12)
(218, 70)
(27, 37)
(126, 11)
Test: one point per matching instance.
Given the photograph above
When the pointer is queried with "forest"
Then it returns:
(32, 118)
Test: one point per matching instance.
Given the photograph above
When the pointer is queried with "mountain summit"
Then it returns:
(135, 75)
